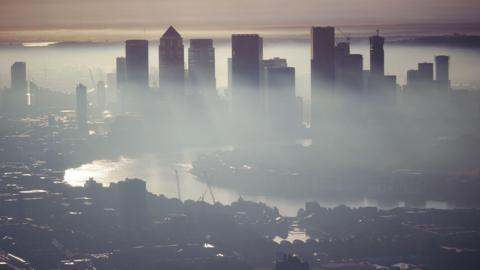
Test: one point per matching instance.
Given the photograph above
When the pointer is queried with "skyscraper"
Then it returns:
(247, 100)
(136, 64)
(247, 54)
(322, 68)
(16, 99)
(81, 108)
(425, 72)
(351, 76)
(121, 72)
(284, 109)
(322, 58)
(442, 70)
(201, 66)
(377, 56)
(19, 77)
(171, 61)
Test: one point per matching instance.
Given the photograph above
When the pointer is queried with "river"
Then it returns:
(159, 173)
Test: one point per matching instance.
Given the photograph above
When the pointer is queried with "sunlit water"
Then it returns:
(159, 173)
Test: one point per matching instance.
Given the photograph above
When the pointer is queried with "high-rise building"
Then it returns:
(322, 57)
(19, 77)
(425, 72)
(322, 68)
(442, 69)
(136, 65)
(247, 99)
(266, 64)
(81, 108)
(121, 72)
(351, 77)
(171, 61)
(201, 66)
(247, 54)
(284, 109)
(342, 49)
(377, 56)
(15, 100)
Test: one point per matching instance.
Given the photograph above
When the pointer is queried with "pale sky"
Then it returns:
(37, 19)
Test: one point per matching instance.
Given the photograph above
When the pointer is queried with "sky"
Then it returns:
(93, 19)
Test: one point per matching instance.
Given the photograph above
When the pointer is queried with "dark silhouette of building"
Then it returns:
(121, 72)
(247, 101)
(171, 61)
(101, 96)
(247, 54)
(377, 56)
(136, 64)
(133, 202)
(121, 80)
(16, 99)
(284, 109)
(201, 66)
(342, 49)
(322, 57)
(19, 77)
(136, 67)
(290, 262)
(275, 62)
(81, 108)
(322, 67)
(442, 71)
(351, 73)
(425, 72)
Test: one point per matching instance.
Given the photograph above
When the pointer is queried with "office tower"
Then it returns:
(351, 77)
(101, 95)
(81, 108)
(247, 101)
(322, 58)
(266, 64)
(19, 77)
(425, 72)
(342, 49)
(121, 72)
(171, 62)
(322, 68)
(275, 62)
(412, 78)
(442, 70)
(133, 202)
(284, 109)
(247, 54)
(136, 65)
(201, 66)
(377, 56)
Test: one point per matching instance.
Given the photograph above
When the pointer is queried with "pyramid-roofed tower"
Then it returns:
(171, 33)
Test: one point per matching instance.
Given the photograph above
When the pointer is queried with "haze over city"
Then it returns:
(249, 135)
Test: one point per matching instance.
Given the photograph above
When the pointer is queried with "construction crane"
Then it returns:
(209, 189)
(178, 185)
(346, 36)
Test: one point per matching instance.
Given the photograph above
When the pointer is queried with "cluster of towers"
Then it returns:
(133, 70)
(262, 90)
